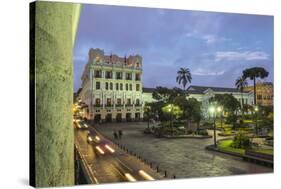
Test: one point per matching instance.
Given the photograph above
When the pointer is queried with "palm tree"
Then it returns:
(253, 73)
(184, 77)
(240, 83)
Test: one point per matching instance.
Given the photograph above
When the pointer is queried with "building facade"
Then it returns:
(204, 93)
(112, 87)
(264, 93)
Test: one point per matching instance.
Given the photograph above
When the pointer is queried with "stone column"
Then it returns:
(53, 25)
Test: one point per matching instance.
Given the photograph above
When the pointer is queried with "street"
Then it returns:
(109, 168)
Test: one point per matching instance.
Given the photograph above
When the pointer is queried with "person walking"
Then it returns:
(115, 135)
(120, 133)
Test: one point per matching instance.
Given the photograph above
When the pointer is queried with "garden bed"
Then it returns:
(225, 145)
(186, 136)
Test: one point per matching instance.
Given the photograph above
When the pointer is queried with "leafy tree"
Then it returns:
(161, 94)
(148, 113)
(183, 77)
(241, 83)
(155, 110)
(191, 110)
(253, 73)
(173, 110)
(229, 103)
(167, 95)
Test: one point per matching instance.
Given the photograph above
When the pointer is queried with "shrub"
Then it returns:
(241, 141)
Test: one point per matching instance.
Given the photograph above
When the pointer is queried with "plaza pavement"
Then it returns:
(183, 158)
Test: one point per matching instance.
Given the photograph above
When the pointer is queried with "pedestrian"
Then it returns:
(115, 135)
(120, 133)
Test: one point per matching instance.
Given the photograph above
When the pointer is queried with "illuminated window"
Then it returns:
(97, 85)
(108, 101)
(97, 101)
(137, 87)
(106, 86)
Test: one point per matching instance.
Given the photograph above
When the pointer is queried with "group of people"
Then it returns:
(117, 135)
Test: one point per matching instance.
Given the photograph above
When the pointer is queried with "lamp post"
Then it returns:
(256, 112)
(219, 110)
(212, 111)
(170, 110)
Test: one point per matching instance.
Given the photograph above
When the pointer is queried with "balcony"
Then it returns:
(97, 105)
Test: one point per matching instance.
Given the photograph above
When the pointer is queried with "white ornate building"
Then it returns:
(204, 93)
(112, 87)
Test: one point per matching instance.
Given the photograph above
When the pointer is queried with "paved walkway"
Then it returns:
(181, 157)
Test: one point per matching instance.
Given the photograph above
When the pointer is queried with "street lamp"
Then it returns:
(212, 111)
(219, 110)
(256, 112)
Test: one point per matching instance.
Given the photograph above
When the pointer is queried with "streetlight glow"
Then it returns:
(256, 108)
(212, 109)
(219, 109)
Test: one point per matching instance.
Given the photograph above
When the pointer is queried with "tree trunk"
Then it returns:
(242, 105)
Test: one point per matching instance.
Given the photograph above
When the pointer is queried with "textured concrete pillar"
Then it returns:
(55, 27)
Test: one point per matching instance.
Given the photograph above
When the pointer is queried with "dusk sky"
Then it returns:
(216, 47)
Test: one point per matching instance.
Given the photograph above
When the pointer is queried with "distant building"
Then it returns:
(264, 93)
(147, 95)
(112, 87)
(204, 93)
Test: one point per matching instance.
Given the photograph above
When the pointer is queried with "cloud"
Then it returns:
(240, 56)
(207, 38)
(206, 72)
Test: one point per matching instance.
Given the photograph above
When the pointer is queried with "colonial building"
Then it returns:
(204, 93)
(112, 87)
(147, 95)
(264, 93)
